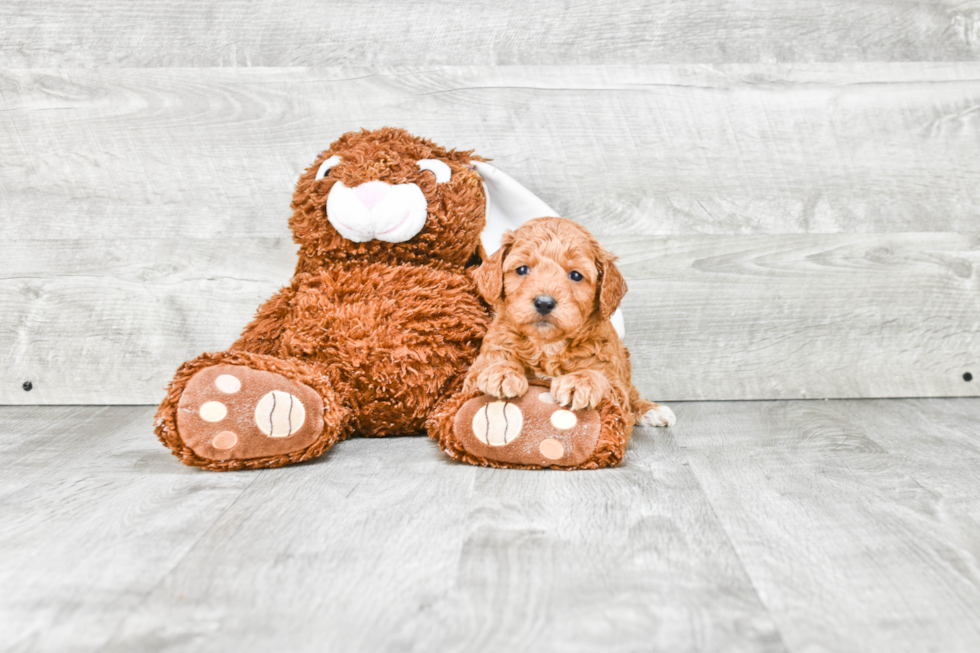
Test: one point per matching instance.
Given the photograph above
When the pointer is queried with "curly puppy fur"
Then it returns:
(553, 288)
(384, 332)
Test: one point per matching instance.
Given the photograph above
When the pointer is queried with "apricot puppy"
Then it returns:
(553, 288)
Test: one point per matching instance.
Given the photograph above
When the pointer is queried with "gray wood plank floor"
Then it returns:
(751, 526)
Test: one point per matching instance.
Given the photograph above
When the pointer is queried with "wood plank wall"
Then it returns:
(793, 189)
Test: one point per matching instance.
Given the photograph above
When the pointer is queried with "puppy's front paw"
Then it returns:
(580, 390)
(658, 415)
(502, 380)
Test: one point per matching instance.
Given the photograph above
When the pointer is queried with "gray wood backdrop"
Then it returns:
(793, 187)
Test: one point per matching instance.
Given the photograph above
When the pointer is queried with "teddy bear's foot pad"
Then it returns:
(529, 430)
(232, 412)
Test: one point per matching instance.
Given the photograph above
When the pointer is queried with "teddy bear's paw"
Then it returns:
(232, 412)
(529, 430)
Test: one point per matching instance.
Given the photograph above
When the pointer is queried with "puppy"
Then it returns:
(553, 288)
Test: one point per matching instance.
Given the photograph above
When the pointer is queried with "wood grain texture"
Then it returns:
(802, 316)
(109, 321)
(850, 546)
(95, 515)
(144, 212)
(431, 32)
(381, 545)
(943, 455)
(708, 317)
(624, 150)
(749, 526)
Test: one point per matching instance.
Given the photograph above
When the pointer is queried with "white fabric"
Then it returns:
(498, 423)
(509, 205)
(324, 168)
(279, 414)
(438, 168)
(619, 323)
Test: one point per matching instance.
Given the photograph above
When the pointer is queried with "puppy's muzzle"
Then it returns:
(544, 304)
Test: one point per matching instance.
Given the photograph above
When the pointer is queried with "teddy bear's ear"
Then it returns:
(509, 205)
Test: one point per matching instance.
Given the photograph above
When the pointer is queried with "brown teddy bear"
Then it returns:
(380, 324)
(377, 328)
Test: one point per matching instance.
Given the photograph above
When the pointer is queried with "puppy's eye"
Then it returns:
(438, 168)
(521, 271)
(575, 275)
(324, 168)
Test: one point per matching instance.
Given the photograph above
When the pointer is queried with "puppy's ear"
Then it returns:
(489, 277)
(612, 285)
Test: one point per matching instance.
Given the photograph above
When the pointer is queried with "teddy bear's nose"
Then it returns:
(371, 193)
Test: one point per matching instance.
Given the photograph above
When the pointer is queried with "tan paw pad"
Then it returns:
(552, 449)
(563, 419)
(228, 384)
(498, 423)
(213, 411)
(224, 440)
(279, 414)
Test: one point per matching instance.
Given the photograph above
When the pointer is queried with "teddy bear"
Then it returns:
(377, 328)
(380, 323)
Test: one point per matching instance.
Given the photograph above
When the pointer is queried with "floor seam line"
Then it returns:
(738, 556)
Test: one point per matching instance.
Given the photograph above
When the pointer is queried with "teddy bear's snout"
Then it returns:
(377, 210)
(372, 193)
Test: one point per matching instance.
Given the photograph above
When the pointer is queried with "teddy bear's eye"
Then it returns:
(575, 275)
(438, 168)
(324, 168)
(521, 271)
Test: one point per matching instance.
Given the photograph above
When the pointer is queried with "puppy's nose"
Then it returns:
(544, 304)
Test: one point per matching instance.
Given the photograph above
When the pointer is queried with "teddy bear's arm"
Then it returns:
(263, 335)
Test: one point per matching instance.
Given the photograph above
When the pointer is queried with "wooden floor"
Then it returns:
(751, 526)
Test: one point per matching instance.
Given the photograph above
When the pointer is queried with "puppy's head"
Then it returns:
(550, 279)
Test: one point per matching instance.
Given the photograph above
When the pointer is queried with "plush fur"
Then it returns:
(383, 332)
(571, 344)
